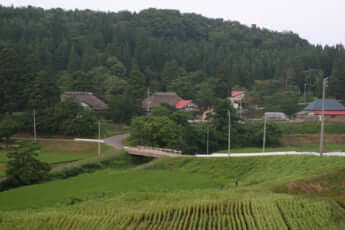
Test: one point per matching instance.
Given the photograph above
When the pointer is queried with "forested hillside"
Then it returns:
(118, 56)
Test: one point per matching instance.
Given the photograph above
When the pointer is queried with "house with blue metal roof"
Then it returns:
(334, 111)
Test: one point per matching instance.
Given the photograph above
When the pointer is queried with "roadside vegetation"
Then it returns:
(297, 148)
(310, 127)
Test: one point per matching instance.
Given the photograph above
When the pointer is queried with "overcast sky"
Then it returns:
(318, 21)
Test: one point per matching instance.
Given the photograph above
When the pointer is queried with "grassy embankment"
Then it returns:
(184, 192)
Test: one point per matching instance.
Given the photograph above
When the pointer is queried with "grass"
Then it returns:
(311, 127)
(108, 183)
(108, 129)
(59, 152)
(297, 148)
(53, 151)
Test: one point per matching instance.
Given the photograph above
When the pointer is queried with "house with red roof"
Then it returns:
(187, 105)
(334, 111)
(237, 98)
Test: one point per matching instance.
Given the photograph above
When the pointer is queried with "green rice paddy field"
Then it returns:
(280, 192)
(59, 152)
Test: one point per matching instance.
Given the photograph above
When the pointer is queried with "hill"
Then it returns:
(184, 193)
(123, 53)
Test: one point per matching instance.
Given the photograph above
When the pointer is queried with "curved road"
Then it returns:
(116, 141)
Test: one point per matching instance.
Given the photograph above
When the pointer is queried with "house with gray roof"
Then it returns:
(159, 98)
(86, 99)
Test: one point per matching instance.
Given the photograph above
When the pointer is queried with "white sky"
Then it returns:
(318, 21)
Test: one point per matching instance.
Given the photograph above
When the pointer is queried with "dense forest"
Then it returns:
(119, 56)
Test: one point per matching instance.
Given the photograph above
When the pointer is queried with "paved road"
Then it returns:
(116, 141)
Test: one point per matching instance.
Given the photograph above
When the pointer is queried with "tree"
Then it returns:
(12, 83)
(282, 101)
(44, 92)
(8, 127)
(255, 131)
(136, 82)
(23, 167)
(337, 79)
(122, 108)
(157, 131)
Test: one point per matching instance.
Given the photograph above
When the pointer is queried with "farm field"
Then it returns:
(294, 214)
(58, 152)
(184, 193)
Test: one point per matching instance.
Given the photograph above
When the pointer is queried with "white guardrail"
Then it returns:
(340, 154)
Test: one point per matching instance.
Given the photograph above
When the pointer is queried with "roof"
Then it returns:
(182, 103)
(330, 105)
(158, 98)
(328, 112)
(237, 93)
(87, 98)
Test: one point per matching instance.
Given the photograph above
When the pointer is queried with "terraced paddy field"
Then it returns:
(282, 192)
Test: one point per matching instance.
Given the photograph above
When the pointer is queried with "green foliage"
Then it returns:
(23, 167)
(64, 118)
(311, 127)
(43, 91)
(112, 54)
(282, 101)
(159, 131)
(337, 79)
(122, 108)
(255, 134)
(12, 80)
(8, 127)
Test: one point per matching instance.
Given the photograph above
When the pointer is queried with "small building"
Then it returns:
(334, 111)
(187, 105)
(86, 99)
(237, 98)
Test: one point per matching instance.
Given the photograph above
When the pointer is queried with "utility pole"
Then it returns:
(264, 137)
(99, 139)
(305, 87)
(149, 107)
(34, 115)
(241, 108)
(207, 135)
(229, 132)
(322, 139)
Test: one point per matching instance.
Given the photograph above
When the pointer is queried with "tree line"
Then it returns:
(118, 56)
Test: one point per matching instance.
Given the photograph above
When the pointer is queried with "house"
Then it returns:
(187, 105)
(334, 111)
(169, 98)
(237, 98)
(86, 99)
(159, 98)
